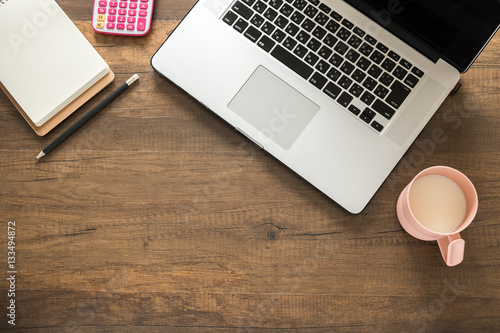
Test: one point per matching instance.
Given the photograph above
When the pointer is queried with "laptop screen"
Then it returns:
(456, 29)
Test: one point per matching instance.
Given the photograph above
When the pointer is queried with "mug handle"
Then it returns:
(452, 249)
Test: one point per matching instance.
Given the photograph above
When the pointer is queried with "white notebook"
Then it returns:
(45, 61)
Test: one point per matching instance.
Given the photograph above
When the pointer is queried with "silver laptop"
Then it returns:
(336, 90)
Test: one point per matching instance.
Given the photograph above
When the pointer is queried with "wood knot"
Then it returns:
(272, 231)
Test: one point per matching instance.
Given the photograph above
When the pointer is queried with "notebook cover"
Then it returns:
(68, 110)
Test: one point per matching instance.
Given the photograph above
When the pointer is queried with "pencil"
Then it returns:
(89, 115)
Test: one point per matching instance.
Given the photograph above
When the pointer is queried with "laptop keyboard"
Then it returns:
(337, 57)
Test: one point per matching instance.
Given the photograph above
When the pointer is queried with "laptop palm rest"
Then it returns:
(279, 112)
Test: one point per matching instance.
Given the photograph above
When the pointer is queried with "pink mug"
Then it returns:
(452, 246)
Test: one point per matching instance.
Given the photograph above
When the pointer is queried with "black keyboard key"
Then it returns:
(344, 99)
(358, 32)
(276, 3)
(354, 41)
(347, 67)
(363, 63)
(377, 57)
(314, 44)
(310, 11)
(336, 60)
(367, 98)
(266, 43)
(382, 48)
(405, 63)
(270, 14)
(400, 72)
(336, 16)
(325, 8)
(343, 33)
(321, 19)
(292, 62)
(240, 25)
(257, 20)
(311, 58)
(281, 21)
(332, 26)
(398, 94)
(388, 65)
(260, 7)
(333, 74)
(318, 80)
(341, 48)
(417, 72)
(370, 114)
(267, 28)
(347, 24)
(292, 29)
(386, 79)
(366, 49)
(278, 35)
(381, 91)
(252, 33)
(314, 2)
(297, 17)
(370, 39)
(352, 56)
(365, 118)
(319, 33)
(289, 43)
(332, 90)
(308, 25)
(325, 52)
(242, 10)
(249, 2)
(330, 40)
(230, 17)
(286, 10)
(384, 109)
(377, 126)
(375, 71)
(300, 4)
(411, 81)
(345, 82)
(394, 56)
(354, 109)
(358, 75)
(322, 66)
(303, 37)
(300, 51)
(356, 90)
(369, 83)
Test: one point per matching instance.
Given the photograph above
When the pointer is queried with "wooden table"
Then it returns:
(159, 217)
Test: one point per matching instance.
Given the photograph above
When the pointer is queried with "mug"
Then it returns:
(450, 243)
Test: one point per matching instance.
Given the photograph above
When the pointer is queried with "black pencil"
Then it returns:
(89, 115)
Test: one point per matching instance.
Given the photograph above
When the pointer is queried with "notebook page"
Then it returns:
(45, 61)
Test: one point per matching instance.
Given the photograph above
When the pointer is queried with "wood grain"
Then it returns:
(158, 217)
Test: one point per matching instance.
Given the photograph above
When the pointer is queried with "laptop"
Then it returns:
(336, 90)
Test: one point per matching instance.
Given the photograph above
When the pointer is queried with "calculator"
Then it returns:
(123, 17)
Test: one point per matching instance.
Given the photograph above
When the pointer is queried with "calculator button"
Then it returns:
(130, 27)
(112, 11)
(144, 0)
(113, 4)
(122, 11)
(143, 6)
(132, 12)
(103, 3)
(123, 5)
(131, 20)
(141, 24)
(121, 19)
(110, 25)
(101, 10)
(120, 26)
(143, 13)
(99, 25)
(133, 0)
(132, 5)
(111, 18)
(101, 17)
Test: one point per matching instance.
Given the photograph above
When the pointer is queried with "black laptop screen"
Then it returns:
(456, 29)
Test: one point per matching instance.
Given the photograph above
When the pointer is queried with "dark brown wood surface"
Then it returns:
(159, 217)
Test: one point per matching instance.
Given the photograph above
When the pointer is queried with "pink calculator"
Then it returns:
(123, 17)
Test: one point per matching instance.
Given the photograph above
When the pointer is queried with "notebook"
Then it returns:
(46, 61)
(336, 90)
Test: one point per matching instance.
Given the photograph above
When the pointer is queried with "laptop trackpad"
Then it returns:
(273, 107)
